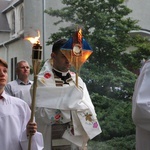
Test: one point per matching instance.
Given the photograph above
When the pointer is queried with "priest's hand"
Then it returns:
(31, 128)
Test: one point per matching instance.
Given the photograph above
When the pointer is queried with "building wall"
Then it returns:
(140, 12)
(4, 36)
(16, 10)
(49, 24)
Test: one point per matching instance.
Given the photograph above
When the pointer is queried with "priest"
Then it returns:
(64, 112)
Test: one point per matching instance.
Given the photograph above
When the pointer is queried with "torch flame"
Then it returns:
(34, 40)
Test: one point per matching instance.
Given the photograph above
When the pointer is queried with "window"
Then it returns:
(13, 68)
(22, 18)
(13, 23)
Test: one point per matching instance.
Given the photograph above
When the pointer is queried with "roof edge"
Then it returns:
(11, 40)
(11, 6)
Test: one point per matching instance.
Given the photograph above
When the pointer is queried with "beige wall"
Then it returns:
(141, 12)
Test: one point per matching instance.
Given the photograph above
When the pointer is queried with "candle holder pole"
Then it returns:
(36, 61)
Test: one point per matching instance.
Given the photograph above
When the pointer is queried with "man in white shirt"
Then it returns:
(141, 108)
(21, 86)
(64, 112)
(15, 126)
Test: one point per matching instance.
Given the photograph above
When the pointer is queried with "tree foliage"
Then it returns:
(114, 117)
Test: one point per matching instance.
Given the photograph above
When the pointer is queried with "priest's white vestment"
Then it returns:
(63, 104)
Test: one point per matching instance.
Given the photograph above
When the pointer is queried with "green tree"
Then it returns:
(106, 26)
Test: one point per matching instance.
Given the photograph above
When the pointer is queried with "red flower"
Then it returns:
(47, 75)
(57, 116)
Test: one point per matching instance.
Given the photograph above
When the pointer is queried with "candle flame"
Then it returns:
(34, 40)
(80, 36)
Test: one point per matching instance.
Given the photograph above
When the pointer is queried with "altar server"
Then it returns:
(15, 126)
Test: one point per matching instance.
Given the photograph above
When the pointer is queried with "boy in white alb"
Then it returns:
(15, 126)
